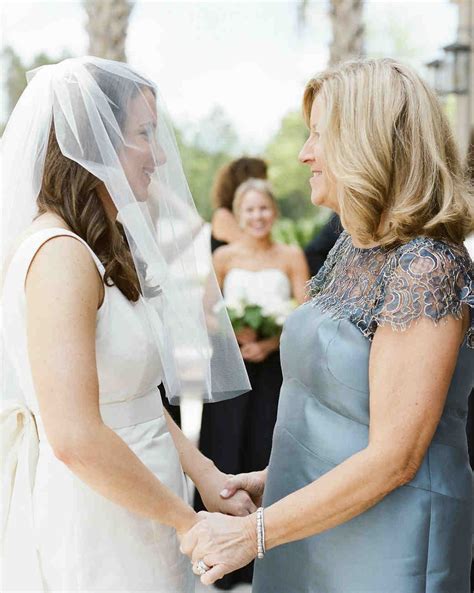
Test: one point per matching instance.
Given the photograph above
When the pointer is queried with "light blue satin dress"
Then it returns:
(418, 538)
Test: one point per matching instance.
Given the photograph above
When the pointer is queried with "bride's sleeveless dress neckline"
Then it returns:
(69, 537)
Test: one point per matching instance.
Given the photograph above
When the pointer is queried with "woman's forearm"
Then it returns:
(346, 491)
(104, 462)
(272, 344)
(194, 463)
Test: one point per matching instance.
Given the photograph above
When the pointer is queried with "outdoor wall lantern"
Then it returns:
(437, 75)
(457, 60)
(450, 75)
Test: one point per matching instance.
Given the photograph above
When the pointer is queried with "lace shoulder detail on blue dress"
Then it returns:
(397, 286)
(317, 282)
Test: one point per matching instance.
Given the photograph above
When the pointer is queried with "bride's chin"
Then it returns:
(142, 196)
(258, 235)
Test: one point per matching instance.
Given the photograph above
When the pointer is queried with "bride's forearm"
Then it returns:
(194, 463)
(104, 462)
(271, 344)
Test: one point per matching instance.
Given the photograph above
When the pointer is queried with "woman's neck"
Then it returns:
(48, 218)
(370, 244)
(257, 244)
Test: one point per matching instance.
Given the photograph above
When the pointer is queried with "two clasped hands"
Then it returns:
(221, 543)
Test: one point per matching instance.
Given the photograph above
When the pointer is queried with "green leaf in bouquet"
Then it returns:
(235, 319)
(238, 325)
(269, 328)
(253, 316)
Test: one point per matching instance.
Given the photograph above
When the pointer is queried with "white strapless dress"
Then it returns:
(260, 287)
(62, 535)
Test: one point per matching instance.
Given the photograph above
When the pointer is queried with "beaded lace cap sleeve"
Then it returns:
(398, 286)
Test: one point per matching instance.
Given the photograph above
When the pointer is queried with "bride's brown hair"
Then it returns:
(70, 191)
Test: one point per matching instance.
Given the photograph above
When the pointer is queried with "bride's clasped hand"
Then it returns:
(225, 543)
(213, 482)
(222, 542)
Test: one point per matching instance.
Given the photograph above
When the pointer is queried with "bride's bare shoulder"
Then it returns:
(69, 258)
(48, 220)
(62, 269)
(42, 222)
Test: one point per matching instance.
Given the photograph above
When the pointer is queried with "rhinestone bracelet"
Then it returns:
(260, 534)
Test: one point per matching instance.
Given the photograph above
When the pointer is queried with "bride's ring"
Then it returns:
(201, 567)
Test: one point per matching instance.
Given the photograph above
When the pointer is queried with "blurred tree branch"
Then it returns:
(107, 27)
(16, 75)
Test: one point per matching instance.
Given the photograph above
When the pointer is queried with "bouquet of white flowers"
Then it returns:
(266, 320)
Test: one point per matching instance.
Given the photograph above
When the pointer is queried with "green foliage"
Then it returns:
(301, 231)
(200, 168)
(204, 150)
(289, 178)
(16, 73)
(253, 316)
(16, 79)
(213, 142)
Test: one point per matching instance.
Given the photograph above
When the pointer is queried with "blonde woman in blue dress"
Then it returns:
(369, 487)
(100, 306)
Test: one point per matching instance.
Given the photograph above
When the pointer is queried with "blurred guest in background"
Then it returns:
(237, 434)
(225, 228)
(318, 248)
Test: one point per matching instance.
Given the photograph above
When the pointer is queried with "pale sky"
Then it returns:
(247, 57)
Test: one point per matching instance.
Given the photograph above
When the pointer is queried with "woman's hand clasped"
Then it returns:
(219, 544)
(259, 351)
(238, 502)
(246, 335)
(253, 483)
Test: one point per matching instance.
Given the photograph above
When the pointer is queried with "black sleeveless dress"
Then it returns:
(237, 434)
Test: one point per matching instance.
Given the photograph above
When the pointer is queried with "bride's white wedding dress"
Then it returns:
(63, 535)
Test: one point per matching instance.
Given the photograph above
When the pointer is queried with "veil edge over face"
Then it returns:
(112, 121)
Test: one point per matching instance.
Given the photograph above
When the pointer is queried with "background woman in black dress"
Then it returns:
(237, 436)
(224, 227)
(224, 230)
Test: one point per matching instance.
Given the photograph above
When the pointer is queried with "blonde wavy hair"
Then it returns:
(259, 185)
(391, 154)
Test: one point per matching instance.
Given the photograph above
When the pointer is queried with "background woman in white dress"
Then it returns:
(94, 319)
(237, 434)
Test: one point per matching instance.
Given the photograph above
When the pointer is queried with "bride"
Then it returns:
(101, 305)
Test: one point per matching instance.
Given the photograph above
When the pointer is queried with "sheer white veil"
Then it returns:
(112, 121)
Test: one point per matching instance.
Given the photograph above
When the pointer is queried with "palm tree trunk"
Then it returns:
(347, 30)
(347, 26)
(107, 27)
